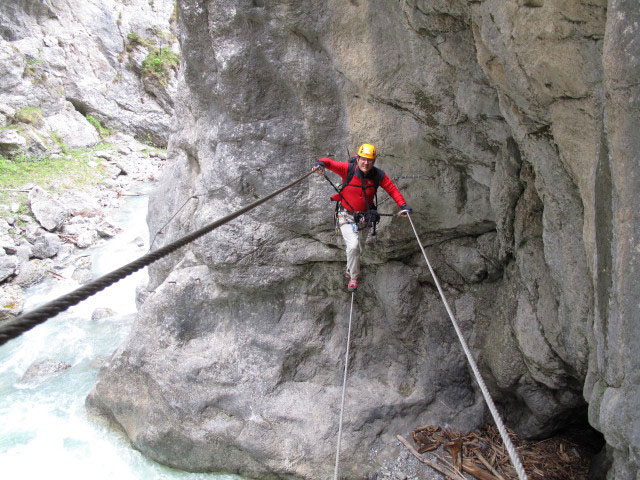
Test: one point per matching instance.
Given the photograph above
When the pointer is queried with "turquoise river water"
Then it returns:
(45, 431)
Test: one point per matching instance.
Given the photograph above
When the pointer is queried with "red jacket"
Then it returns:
(351, 197)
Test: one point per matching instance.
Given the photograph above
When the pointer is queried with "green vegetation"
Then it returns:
(60, 143)
(159, 63)
(103, 131)
(30, 115)
(134, 40)
(71, 170)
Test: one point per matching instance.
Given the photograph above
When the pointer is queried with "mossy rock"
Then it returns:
(29, 115)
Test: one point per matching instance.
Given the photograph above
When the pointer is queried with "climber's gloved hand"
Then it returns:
(404, 209)
(318, 166)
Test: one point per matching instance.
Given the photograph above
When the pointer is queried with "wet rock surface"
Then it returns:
(43, 370)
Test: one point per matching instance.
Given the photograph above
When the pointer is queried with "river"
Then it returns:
(45, 430)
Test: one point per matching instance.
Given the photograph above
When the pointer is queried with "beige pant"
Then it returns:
(354, 241)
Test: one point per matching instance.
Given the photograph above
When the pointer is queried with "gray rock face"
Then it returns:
(612, 383)
(520, 119)
(73, 59)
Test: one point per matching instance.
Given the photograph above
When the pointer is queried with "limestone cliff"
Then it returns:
(70, 60)
(514, 124)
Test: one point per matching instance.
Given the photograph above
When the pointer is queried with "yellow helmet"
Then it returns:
(367, 150)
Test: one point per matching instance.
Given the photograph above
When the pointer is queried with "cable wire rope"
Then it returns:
(25, 322)
(513, 455)
(344, 388)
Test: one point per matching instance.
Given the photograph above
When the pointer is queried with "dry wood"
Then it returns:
(455, 450)
(478, 472)
(551, 459)
(455, 473)
(57, 275)
(445, 471)
(488, 465)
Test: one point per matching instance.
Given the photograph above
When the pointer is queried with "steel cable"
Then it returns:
(513, 455)
(23, 323)
(344, 388)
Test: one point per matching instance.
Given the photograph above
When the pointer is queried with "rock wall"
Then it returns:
(514, 125)
(69, 59)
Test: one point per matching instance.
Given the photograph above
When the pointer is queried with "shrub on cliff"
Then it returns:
(159, 63)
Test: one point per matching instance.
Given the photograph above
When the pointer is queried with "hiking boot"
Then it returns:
(353, 284)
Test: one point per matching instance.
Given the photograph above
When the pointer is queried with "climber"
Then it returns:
(356, 210)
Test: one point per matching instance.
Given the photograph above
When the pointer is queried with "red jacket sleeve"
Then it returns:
(392, 190)
(341, 168)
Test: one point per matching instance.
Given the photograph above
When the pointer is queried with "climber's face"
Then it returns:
(365, 164)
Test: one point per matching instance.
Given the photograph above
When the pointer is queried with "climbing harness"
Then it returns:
(17, 326)
(344, 387)
(368, 218)
(485, 392)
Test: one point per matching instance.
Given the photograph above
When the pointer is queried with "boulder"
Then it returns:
(11, 142)
(32, 272)
(82, 272)
(8, 245)
(72, 128)
(46, 209)
(43, 370)
(24, 251)
(8, 264)
(106, 229)
(46, 246)
(102, 312)
(83, 235)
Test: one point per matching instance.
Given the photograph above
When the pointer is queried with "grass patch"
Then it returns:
(134, 40)
(160, 60)
(103, 131)
(159, 63)
(71, 170)
(60, 143)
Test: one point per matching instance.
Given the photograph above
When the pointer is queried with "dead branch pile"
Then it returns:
(481, 454)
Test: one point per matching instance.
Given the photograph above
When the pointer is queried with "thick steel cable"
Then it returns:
(515, 459)
(344, 389)
(23, 323)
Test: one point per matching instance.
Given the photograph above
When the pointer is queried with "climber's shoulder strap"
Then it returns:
(351, 171)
